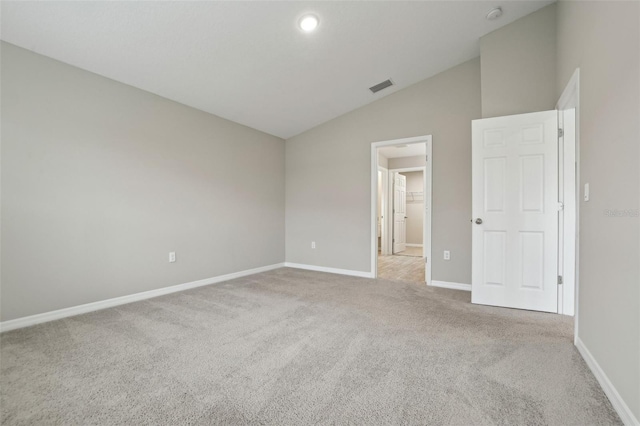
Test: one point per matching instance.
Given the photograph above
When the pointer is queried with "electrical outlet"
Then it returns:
(172, 256)
(447, 255)
(313, 244)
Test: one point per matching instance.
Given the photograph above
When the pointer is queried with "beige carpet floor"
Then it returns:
(411, 251)
(292, 347)
(401, 268)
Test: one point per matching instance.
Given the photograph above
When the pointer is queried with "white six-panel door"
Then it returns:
(399, 212)
(515, 211)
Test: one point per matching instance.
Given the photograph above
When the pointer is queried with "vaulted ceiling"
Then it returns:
(248, 61)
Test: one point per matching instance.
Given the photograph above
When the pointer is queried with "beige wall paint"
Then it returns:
(407, 162)
(328, 174)
(602, 39)
(100, 181)
(383, 161)
(519, 65)
(415, 209)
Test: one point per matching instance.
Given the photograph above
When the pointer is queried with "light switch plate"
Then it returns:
(586, 192)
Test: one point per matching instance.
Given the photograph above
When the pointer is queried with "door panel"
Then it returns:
(515, 194)
(399, 212)
(494, 183)
(532, 256)
(532, 183)
(495, 245)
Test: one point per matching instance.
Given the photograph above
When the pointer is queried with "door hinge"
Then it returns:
(560, 206)
(427, 158)
(560, 132)
(559, 279)
(425, 259)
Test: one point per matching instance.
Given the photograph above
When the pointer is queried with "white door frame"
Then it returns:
(386, 221)
(570, 99)
(427, 175)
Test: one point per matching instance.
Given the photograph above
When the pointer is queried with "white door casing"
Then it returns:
(399, 212)
(385, 222)
(567, 232)
(380, 215)
(515, 211)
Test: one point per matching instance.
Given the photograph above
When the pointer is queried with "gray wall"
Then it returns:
(415, 209)
(519, 65)
(383, 161)
(328, 174)
(100, 181)
(602, 38)
(406, 162)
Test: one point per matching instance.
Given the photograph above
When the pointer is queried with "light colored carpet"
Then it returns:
(401, 268)
(410, 251)
(292, 347)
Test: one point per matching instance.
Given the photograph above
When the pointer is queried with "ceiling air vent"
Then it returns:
(378, 87)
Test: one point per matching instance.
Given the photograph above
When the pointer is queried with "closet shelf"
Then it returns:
(415, 196)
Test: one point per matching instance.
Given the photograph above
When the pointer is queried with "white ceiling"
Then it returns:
(247, 61)
(398, 151)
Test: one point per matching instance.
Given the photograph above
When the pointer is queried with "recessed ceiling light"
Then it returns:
(494, 13)
(308, 23)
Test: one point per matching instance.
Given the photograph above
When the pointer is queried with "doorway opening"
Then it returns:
(405, 262)
(401, 209)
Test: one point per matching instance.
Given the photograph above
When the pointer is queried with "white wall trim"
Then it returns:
(617, 402)
(116, 301)
(571, 94)
(385, 241)
(570, 98)
(409, 169)
(413, 245)
(329, 270)
(570, 191)
(453, 286)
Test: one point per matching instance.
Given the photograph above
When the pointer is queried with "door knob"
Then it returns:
(478, 221)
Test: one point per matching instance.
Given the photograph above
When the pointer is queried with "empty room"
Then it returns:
(332, 212)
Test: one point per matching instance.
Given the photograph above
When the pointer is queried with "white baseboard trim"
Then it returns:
(453, 286)
(329, 270)
(618, 403)
(116, 301)
(413, 245)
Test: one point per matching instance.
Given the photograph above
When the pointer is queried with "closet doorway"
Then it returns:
(401, 209)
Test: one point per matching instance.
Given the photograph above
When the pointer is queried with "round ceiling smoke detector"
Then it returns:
(494, 14)
(308, 23)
